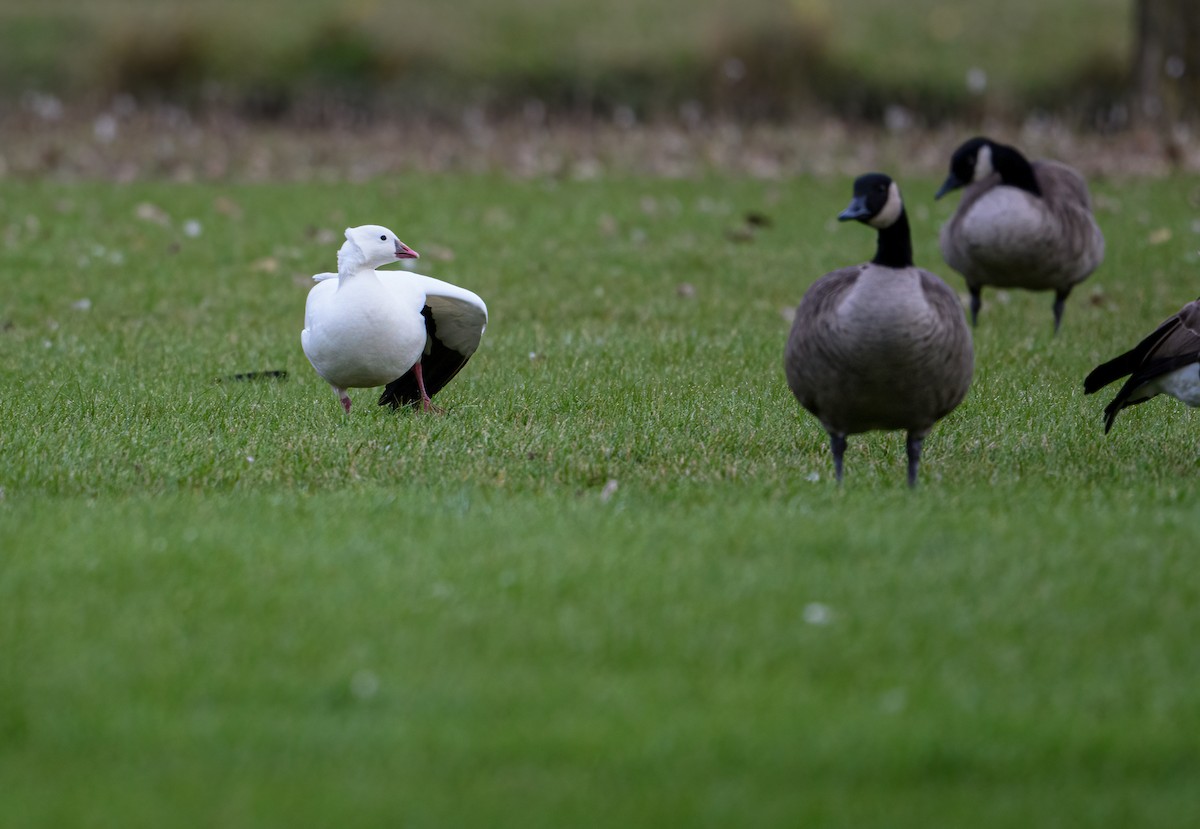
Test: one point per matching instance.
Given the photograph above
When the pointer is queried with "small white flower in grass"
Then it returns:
(812, 477)
(364, 684)
(84, 304)
(610, 489)
(249, 459)
(192, 228)
(816, 613)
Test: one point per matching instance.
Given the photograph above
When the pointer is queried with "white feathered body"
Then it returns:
(367, 329)
(364, 330)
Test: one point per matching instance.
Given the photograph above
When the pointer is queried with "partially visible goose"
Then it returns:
(883, 345)
(1019, 224)
(366, 328)
(1166, 362)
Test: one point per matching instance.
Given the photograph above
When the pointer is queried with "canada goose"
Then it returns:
(1166, 362)
(1019, 225)
(364, 327)
(883, 345)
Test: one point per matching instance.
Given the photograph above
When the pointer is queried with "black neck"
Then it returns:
(1014, 169)
(895, 244)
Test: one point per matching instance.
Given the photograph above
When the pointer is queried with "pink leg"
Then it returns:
(342, 396)
(426, 403)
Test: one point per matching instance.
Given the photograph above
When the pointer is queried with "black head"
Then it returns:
(970, 162)
(978, 158)
(876, 201)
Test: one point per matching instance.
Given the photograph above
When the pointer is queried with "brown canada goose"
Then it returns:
(1019, 225)
(884, 345)
(1166, 362)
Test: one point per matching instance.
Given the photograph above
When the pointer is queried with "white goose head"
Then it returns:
(370, 246)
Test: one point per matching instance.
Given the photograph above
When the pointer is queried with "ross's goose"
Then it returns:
(365, 327)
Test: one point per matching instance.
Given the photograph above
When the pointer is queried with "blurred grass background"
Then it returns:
(875, 59)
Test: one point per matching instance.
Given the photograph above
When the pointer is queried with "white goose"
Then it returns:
(366, 328)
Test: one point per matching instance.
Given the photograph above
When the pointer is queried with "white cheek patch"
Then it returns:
(891, 209)
(983, 163)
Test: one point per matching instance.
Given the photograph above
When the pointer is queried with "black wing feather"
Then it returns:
(438, 368)
(1173, 345)
(1130, 361)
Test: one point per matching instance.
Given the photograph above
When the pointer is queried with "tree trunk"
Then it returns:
(1167, 63)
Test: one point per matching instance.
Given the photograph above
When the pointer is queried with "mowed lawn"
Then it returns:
(616, 584)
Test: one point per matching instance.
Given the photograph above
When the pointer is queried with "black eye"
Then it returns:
(383, 238)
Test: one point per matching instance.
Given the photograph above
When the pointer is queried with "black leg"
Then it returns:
(976, 302)
(837, 444)
(913, 445)
(1059, 298)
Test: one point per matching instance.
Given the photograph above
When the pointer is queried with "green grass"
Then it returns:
(852, 54)
(229, 604)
